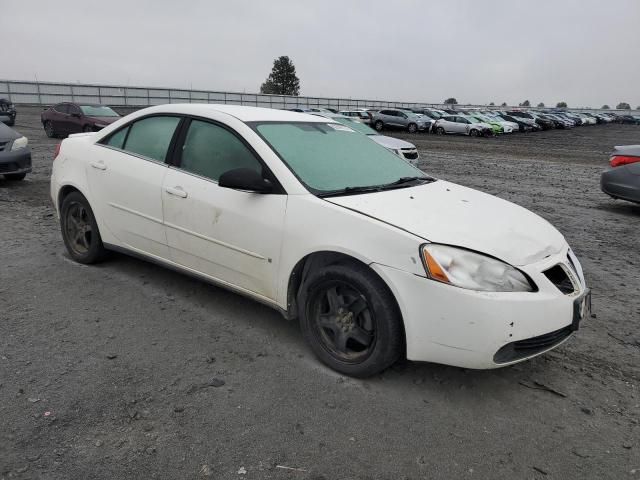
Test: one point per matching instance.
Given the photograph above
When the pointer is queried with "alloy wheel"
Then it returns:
(48, 128)
(78, 228)
(343, 322)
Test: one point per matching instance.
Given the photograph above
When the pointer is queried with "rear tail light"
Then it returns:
(56, 152)
(619, 160)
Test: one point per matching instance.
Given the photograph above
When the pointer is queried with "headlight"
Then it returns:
(19, 143)
(467, 269)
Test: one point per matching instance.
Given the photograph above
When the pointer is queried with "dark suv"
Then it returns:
(66, 118)
(7, 112)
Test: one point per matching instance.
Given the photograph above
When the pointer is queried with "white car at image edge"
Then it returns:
(374, 258)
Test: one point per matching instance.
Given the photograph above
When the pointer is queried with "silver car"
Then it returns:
(622, 179)
(399, 119)
(462, 125)
(404, 149)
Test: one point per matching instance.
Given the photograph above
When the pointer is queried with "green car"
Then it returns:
(495, 126)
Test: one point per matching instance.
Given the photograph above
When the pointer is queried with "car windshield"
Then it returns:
(356, 125)
(331, 158)
(97, 111)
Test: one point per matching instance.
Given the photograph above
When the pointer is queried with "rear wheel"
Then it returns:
(15, 176)
(350, 320)
(412, 128)
(80, 230)
(48, 128)
(379, 125)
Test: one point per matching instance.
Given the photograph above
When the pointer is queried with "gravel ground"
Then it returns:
(128, 370)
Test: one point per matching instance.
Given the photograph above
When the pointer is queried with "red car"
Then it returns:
(65, 118)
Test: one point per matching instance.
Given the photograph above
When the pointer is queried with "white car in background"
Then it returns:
(375, 259)
(402, 148)
(460, 124)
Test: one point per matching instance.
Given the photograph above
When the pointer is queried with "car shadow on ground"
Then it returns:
(621, 207)
(247, 313)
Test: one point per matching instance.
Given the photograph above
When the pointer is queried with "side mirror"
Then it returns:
(245, 179)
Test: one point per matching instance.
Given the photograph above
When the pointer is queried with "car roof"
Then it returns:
(241, 112)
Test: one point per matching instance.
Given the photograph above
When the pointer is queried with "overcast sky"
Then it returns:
(584, 52)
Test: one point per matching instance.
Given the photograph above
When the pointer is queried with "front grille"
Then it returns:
(531, 346)
(410, 154)
(558, 276)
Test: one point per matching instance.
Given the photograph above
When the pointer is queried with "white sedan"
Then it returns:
(374, 258)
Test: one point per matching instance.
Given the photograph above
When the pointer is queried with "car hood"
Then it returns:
(7, 133)
(390, 142)
(443, 212)
(104, 120)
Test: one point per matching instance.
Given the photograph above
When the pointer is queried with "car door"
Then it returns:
(229, 235)
(455, 125)
(125, 173)
(60, 118)
(74, 119)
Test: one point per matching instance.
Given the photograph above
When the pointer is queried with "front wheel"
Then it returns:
(378, 125)
(440, 131)
(87, 129)
(80, 230)
(350, 320)
(48, 128)
(473, 132)
(413, 128)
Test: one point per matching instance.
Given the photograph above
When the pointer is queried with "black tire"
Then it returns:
(11, 123)
(83, 246)
(87, 129)
(48, 129)
(440, 131)
(379, 125)
(412, 128)
(15, 177)
(360, 332)
(473, 132)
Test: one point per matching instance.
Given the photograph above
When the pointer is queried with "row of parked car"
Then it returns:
(476, 122)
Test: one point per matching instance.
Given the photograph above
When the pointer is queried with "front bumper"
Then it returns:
(7, 116)
(18, 161)
(465, 328)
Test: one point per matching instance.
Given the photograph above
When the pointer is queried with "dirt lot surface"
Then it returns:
(128, 370)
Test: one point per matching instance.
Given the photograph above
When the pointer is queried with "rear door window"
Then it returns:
(151, 137)
(62, 108)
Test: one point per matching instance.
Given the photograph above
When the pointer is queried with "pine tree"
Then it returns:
(283, 79)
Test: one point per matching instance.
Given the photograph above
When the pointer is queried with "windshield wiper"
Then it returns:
(404, 180)
(400, 183)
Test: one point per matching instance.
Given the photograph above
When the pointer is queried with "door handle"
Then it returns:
(98, 165)
(177, 191)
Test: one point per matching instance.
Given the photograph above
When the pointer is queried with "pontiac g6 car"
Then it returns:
(376, 259)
